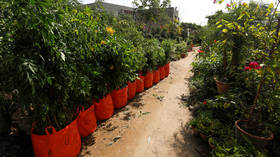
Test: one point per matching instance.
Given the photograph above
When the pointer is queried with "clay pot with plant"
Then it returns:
(234, 36)
(181, 49)
(225, 77)
(259, 133)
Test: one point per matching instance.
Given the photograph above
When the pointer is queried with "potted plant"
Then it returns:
(151, 50)
(268, 54)
(169, 48)
(181, 48)
(232, 44)
(115, 56)
(41, 68)
(223, 77)
(127, 29)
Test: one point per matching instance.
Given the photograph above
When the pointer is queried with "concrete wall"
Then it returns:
(118, 9)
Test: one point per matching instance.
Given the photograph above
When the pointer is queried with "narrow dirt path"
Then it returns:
(152, 124)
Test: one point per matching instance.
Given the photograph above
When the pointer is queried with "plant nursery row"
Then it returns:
(67, 141)
(64, 65)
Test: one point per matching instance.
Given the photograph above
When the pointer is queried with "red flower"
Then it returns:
(204, 102)
(214, 1)
(228, 5)
(247, 68)
(215, 41)
(200, 51)
(254, 65)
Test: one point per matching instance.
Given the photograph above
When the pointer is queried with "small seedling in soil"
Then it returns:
(144, 113)
(137, 105)
(116, 138)
(160, 98)
(109, 127)
(127, 116)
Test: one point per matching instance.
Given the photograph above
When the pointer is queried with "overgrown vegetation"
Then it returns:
(56, 55)
(240, 46)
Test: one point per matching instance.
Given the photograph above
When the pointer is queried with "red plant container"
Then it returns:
(119, 97)
(156, 76)
(104, 108)
(86, 121)
(66, 142)
(167, 69)
(148, 82)
(131, 90)
(140, 84)
(162, 72)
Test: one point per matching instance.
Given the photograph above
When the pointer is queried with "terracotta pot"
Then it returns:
(222, 87)
(131, 90)
(119, 97)
(167, 69)
(161, 72)
(258, 141)
(183, 55)
(211, 145)
(194, 131)
(203, 137)
(148, 80)
(104, 108)
(156, 76)
(65, 142)
(140, 84)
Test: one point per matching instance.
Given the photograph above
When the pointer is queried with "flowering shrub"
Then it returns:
(253, 65)
(246, 44)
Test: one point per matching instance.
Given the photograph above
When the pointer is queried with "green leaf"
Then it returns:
(62, 56)
(219, 26)
(225, 30)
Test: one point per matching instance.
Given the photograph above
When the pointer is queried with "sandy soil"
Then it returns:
(152, 124)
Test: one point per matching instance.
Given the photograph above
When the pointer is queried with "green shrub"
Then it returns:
(38, 64)
(169, 49)
(154, 54)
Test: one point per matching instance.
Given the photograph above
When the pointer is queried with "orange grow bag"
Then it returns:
(131, 90)
(167, 69)
(162, 72)
(140, 84)
(156, 76)
(148, 80)
(104, 109)
(86, 121)
(66, 142)
(119, 97)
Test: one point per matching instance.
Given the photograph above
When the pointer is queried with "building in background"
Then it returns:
(117, 10)
(114, 9)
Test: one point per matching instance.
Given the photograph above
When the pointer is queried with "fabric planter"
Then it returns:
(86, 121)
(156, 76)
(119, 97)
(66, 142)
(104, 108)
(162, 72)
(148, 82)
(167, 69)
(131, 90)
(140, 84)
